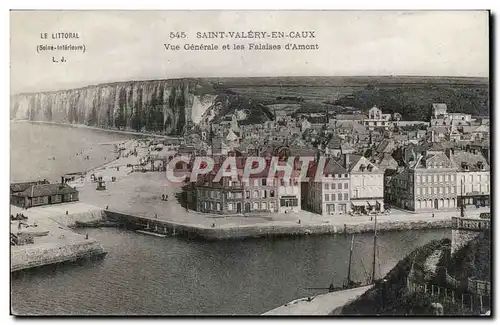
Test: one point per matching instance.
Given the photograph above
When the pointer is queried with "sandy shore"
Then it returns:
(83, 126)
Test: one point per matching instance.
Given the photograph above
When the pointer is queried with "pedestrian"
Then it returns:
(299, 221)
(156, 215)
(107, 207)
(86, 236)
(433, 215)
(213, 225)
(163, 197)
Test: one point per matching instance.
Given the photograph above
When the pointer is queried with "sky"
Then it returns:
(128, 45)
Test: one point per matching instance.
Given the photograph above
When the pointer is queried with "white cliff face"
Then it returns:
(159, 105)
(200, 106)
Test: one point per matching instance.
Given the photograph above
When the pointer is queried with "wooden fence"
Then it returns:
(467, 303)
(477, 287)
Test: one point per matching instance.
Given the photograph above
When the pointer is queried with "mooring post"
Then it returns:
(481, 303)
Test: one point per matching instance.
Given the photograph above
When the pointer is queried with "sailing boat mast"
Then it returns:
(462, 212)
(350, 261)
(374, 249)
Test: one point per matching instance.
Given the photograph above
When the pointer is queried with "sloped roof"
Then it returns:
(439, 106)
(46, 190)
(471, 159)
(20, 187)
(334, 142)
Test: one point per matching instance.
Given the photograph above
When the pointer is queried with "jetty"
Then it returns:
(51, 239)
(321, 305)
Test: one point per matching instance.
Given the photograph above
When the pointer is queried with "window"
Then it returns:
(264, 182)
(229, 207)
(218, 206)
(345, 175)
(418, 191)
(334, 186)
(327, 197)
(256, 206)
(346, 185)
(264, 194)
(271, 193)
(326, 186)
(440, 178)
(256, 194)
(264, 205)
(229, 195)
(346, 197)
(282, 182)
(247, 194)
(339, 196)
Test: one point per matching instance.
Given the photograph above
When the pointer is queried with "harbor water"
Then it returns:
(146, 275)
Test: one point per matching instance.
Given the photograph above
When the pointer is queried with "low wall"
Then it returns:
(69, 220)
(460, 238)
(29, 256)
(267, 230)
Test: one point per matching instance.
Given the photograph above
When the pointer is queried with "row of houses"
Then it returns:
(334, 186)
(435, 180)
(38, 193)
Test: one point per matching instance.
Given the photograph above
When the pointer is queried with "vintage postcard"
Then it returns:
(250, 163)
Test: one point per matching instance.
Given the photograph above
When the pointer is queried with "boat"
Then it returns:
(151, 233)
(96, 224)
(348, 283)
(145, 232)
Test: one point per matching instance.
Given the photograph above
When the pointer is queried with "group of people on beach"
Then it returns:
(164, 197)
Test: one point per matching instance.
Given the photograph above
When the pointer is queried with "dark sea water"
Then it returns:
(145, 275)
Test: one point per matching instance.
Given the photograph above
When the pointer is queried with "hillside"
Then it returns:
(165, 106)
(472, 260)
(414, 101)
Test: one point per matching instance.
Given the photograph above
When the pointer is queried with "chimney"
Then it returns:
(449, 152)
(346, 161)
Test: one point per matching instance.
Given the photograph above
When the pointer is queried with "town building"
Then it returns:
(44, 194)
(428, 183)
(330, 193)
(441, 116)
(473, 185)
(366, 184)
(376, 119)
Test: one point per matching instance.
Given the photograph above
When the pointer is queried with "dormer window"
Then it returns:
(370, 168)
(480, 165)
(362, 167)
(465, 166)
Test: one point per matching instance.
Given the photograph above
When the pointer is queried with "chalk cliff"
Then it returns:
(164, 106)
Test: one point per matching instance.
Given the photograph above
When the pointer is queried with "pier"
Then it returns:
(321, 305)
